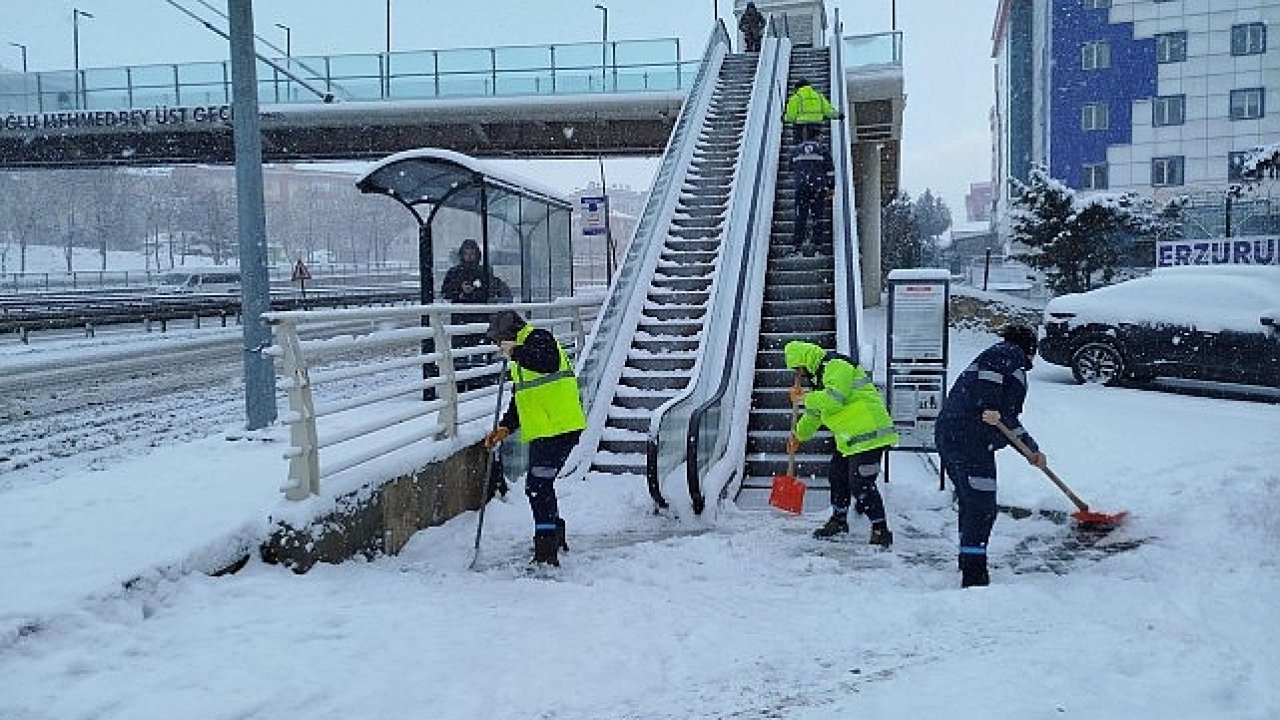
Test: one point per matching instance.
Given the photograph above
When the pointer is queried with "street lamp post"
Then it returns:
(288, 59)
(76, 13)
(23, 48)
(604, 47)
(388, 27)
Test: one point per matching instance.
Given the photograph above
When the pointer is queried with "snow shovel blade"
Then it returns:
(1093, 520)
(787, 494)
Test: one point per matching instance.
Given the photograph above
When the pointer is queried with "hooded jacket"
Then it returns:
(845, 400)
(807, 105)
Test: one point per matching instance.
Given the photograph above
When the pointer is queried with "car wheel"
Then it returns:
(1097, 362)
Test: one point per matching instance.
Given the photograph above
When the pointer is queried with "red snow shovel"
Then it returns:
(788, 491)
(1088, 519)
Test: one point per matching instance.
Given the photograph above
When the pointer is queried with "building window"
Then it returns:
(1167, 170)
(1171, 47)
(1095, 55)
(1093, 116)
(1235, 165)
(1097, 4)
(1095, 176)
(1169, 110)
(1247, 104)
(1249, 39)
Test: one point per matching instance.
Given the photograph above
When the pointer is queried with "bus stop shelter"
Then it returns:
(522, 227)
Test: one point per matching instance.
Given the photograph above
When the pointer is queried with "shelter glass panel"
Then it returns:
(538, 252)
(505, 252)
(560, 241)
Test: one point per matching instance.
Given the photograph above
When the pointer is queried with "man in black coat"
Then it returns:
(752, 26)
(992, 389)
(467, 282)
(814, 174)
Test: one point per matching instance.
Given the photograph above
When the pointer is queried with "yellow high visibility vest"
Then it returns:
(548, 403)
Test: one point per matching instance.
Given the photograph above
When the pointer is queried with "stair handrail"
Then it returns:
(715, 433)
(607, 346)
(844, 226)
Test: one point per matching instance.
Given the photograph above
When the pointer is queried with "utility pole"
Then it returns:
(259, 373)
(75, 52)
(604, 48)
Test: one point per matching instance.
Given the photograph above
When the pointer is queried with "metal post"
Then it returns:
(24, 55)
(259, 374)
(288, 58)
(75, 49)
(604, 48)
(388, 27)
(986, 270)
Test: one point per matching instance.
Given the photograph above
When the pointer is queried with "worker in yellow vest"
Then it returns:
(845, 400)
(547, 411)
(807, 110)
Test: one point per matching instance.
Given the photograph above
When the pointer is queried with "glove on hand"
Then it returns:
(796, 393)
(496, 437)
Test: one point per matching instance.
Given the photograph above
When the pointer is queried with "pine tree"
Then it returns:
(1079, 243)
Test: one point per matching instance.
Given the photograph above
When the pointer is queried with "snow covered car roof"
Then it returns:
(1209, 298)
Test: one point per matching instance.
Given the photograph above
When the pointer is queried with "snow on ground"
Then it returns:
(743, 616)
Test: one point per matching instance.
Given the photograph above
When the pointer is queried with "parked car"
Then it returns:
(200, 281)
(1215, 323)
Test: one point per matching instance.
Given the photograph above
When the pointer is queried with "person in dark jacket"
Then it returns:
(752, 26)
(546, 409)
(466, 283)
(814, 174)
(992, 389)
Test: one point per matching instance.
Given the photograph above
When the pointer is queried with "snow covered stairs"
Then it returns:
(667, 339)
(799, 304)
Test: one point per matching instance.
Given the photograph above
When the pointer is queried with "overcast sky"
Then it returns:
(947, 50)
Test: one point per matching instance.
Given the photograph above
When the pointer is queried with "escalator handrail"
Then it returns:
(844, 228)
(757, 237)
(667, 426)
(605, 349)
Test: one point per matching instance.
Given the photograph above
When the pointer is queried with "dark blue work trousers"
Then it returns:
(853, 477)
(809, 208)
(972, 469)
(546, 458)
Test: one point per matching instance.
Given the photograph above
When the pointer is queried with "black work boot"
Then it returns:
(880, 535)
(973, 571)
(836, 525)
(561, 534)
(544, 550)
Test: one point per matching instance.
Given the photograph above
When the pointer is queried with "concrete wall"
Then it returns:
(382, 520)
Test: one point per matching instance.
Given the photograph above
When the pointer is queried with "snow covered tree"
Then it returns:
(1077, 243)
(901, 242)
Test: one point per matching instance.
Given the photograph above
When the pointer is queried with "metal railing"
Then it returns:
(621, 66)
(694, 428)
(376, 380)
(608, 345)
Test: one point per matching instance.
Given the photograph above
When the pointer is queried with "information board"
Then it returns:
(917, 349)
(914, 401)
(594, 209)
(919, 321)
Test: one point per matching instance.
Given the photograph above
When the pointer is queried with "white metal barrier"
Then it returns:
(370, 365)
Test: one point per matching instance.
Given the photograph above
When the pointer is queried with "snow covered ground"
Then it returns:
(1175, 615)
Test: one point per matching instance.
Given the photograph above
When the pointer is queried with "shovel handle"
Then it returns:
(1027, 453)
(795, 413)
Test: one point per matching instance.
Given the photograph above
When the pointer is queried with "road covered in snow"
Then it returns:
(740, 615)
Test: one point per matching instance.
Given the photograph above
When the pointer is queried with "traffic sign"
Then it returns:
(300, 272)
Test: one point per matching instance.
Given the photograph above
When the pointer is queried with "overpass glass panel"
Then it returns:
(870, 50)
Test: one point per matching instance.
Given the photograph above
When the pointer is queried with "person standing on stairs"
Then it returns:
(751, 24)
(546, 408)
(815, 180)
(992, 389)
(807, 109)
(846, 401)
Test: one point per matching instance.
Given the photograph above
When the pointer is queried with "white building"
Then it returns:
(1159, 97)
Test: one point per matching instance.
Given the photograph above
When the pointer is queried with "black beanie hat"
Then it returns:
(1022, 336)
(504, 326)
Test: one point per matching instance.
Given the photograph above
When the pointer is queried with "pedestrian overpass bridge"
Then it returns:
(575, 100)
